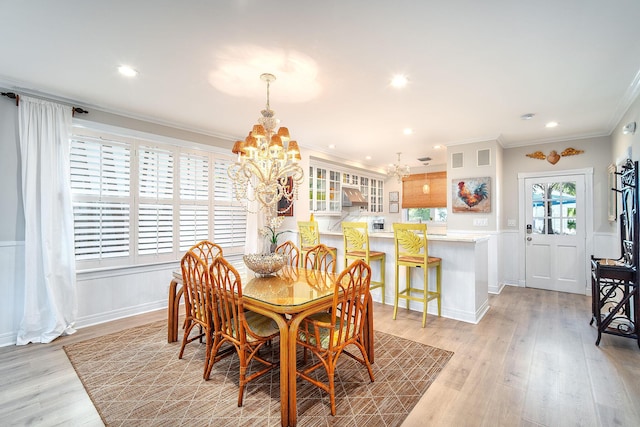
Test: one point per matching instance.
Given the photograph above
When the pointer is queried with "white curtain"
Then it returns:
(50, 298)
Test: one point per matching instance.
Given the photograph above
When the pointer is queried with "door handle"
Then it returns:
(529, 238)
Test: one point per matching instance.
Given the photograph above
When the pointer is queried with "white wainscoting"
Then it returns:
(605, 245)
(509, 249)
(102, 295)
(11, 280)
(113, 294)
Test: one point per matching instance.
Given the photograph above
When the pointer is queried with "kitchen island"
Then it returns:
(465, 265)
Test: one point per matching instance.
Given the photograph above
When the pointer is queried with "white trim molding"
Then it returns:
(589, 233)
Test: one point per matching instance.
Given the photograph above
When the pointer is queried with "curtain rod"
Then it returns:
(15, 96)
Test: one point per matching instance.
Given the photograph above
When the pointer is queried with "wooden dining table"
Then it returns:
(288, 297)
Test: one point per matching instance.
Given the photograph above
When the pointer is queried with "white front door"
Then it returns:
(555, 233)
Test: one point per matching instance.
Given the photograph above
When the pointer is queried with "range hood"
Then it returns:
(352, 197)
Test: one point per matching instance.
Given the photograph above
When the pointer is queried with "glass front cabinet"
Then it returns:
(325, 189)
(376, 200)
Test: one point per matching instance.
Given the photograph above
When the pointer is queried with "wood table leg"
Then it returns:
(173, 309)
(294, 323)
(284, 361)
(368, 330)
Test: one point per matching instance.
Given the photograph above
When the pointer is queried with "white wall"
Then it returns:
(11, 221)
(625, 146)
(465, 221)
(597, 155)
(11, 215)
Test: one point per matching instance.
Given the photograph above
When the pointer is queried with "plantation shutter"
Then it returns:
(155, 213)
(229, 216)
(100, 184)
(138, 201)
(194, 199)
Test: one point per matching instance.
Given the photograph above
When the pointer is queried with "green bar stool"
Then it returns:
(356, 246)
(412, 250)
(309, 237)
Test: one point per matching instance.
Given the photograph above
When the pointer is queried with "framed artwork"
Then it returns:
(471, 195)
(394, 207)
(393, 196)
(285, 207)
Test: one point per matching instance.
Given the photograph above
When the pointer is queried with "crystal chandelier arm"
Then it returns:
(250, 169)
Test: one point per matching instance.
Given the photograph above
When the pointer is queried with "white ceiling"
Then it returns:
(474, 67)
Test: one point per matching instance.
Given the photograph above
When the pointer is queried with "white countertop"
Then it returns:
(432, 237)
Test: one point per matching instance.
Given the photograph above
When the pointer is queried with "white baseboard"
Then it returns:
(96, 319)
(495, 290)
(8, 339)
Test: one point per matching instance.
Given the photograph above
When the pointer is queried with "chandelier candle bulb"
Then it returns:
(276, 143)
(258, 131)
(283, 133)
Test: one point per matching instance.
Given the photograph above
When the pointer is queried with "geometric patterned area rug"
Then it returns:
(135, 378)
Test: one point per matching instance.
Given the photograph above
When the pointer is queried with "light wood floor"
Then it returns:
(531, 361)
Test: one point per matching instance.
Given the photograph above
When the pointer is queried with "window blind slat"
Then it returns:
(101, 230)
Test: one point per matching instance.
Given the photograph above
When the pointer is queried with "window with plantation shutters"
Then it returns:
(155, 212)
(229, 217)
(156, 173)
(100, 184)
(194, 199)
(139, 201)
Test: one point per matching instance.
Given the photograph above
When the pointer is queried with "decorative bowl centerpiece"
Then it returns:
(264, 264)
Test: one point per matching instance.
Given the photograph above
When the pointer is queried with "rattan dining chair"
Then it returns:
(245, 330)
(198, 304)
(327, 333)
(290, 251)
(320, 257)
(206, 251)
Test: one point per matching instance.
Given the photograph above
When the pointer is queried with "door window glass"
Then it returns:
(554, 208)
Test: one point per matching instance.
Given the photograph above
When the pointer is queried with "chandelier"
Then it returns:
(267, 169)
(398, 170)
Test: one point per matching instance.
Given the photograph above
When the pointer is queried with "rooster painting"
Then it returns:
(471, 195)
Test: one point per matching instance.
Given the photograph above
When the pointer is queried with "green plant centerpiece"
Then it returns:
(270, 232)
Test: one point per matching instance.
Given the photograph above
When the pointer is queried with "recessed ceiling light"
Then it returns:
(527, 116)
(437, 147)
(551, 124)
(407, 131)
(332, 146)
(125, 70)
(399, 81)
(368, 157)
